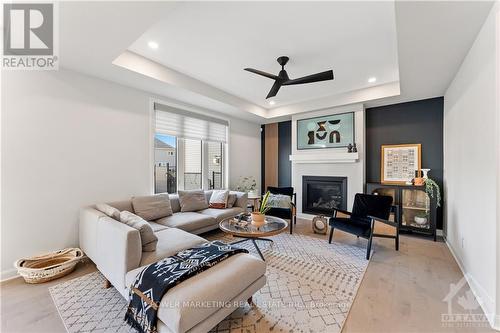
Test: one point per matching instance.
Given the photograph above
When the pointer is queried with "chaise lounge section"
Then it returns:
(195, 305)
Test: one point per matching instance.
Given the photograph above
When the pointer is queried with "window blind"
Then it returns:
(189, 125)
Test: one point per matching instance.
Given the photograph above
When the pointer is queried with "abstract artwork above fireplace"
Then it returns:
(331, 131)
(321, 194)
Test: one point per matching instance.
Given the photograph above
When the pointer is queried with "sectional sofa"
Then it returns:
(195, 305)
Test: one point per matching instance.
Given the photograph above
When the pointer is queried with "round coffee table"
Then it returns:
(249, 232)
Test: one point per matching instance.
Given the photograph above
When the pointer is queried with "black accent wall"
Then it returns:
(284, 151)
(411, 122)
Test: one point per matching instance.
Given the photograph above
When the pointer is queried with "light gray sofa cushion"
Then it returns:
(152, 207)
(192, 201)
(108, 210)
(174, 203)
(170, 241)
(218, 284)
(188, 221)
(231, 200)
(220, 214)
(148, 237)
(157, 227)
(218, 199)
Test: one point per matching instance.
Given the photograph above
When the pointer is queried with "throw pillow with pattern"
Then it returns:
(219, 199)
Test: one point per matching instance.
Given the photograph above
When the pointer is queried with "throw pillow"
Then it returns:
(148, 237)
(152, 207)
(231, 200)
(192, 201)
(279, 201)
(218, 199)
(108, 210)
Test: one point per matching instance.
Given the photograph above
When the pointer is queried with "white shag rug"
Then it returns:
(310, 288)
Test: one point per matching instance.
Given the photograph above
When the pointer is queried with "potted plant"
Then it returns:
(430, 187)
(259, 217)
(421, 218)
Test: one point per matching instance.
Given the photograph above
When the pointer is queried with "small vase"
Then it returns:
(420, 220)
(258, 219)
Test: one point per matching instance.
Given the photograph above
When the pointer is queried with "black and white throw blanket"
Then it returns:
(156, 279)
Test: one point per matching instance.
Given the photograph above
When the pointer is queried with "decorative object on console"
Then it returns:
(354, 148)
(331, 131)
(349, 148)
(418, 180)
(425, 173)
(48, 266)
(259, 217)
(421, 218)
(320, 224)
(399, 163)
(430, 187)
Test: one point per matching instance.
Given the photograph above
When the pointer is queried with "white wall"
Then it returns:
(354, 171)
(70, 140)
(471, 125)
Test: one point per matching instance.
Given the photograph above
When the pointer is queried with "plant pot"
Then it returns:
(420, 220)
(258, 219)
(419, 181)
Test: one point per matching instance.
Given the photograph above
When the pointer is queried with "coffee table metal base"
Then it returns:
(253, 240)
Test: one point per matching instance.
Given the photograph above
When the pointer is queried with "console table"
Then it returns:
(417, 211)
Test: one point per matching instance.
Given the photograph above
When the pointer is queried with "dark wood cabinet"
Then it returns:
(416, 210)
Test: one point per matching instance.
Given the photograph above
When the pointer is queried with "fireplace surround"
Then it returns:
(320, 194)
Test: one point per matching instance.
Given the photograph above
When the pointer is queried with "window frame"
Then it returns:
(204, 151)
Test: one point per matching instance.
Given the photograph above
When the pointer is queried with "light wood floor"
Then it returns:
(401, 291)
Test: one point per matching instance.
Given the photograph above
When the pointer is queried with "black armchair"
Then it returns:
(284, 213)
(366, 210)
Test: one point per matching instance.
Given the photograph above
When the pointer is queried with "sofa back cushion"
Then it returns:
(148, 237)
(175, 203)
(192, 201)
(152, 207)
(122, 205)
(108, 210)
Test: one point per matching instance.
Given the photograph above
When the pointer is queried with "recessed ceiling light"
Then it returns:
(372, 79)
(153, 45)
(272, 102)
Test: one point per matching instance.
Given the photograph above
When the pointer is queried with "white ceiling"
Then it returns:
(213, 42)
(432, 41)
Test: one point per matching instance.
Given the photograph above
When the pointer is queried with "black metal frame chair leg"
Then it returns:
(331, 235)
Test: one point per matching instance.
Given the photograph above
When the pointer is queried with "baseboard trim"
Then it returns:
(486, 303)
(9, 274)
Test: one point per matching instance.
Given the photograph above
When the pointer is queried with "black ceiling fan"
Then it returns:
(282, 78)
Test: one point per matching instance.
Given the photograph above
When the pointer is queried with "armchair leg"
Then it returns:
(331, 235)
(397, 239)
(369, 247)
(291, 227)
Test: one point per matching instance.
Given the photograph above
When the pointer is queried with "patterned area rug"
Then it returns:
(311, 286)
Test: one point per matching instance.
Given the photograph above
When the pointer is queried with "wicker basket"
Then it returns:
(49, 266)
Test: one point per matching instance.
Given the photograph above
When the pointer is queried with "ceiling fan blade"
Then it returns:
(274, 89)
(323, 76)
(256, 71)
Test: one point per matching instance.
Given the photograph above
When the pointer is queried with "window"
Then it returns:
(189, 150)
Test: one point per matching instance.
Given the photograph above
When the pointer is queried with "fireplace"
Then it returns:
(321, 194)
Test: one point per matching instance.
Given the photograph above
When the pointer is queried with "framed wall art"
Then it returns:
(399, 163)
(331, 131)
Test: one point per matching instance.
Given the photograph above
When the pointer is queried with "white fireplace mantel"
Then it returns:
(324, 158)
